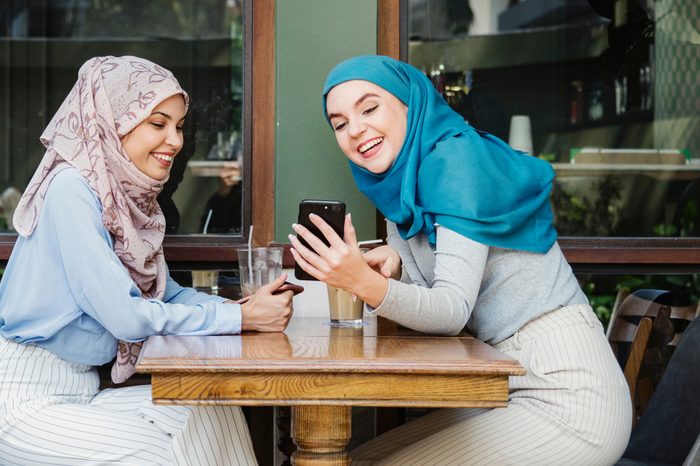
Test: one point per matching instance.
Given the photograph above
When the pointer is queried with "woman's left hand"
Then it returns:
(341, 264)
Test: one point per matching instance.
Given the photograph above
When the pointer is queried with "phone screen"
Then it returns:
(332, 212)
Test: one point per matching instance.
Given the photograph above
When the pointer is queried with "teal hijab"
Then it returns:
(447, 172)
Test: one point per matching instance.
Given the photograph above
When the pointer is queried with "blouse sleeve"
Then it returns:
(102, 287)
(178, 294)
(445, 307)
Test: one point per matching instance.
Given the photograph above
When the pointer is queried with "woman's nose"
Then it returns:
(174, 139)
(356, 128)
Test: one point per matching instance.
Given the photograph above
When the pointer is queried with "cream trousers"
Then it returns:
(51, 413)
(572, 407)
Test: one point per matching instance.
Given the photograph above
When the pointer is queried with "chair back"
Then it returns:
(646, 303)
(639, 333)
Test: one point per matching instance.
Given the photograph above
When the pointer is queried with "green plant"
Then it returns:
(597, 214)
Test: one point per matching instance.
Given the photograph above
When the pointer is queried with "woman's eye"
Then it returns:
(340, 126)
(179, 128)
(370, 110)
(157, 124)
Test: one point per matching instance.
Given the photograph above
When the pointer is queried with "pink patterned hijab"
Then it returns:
(111, 97)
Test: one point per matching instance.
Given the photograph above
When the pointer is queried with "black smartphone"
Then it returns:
(332, 212)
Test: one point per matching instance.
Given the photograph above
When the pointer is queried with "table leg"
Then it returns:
(321, 434)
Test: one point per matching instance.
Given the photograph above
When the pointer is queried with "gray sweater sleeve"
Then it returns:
(441, 304)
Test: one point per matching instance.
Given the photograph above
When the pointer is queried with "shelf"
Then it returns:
(509, 49)
(657, 171)
(210, 168)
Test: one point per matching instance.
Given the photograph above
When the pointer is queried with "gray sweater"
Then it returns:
(493, 291)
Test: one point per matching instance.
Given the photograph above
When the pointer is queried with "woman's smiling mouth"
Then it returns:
(164, 158)
(366, 148)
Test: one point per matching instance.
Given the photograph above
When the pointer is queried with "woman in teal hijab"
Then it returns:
(452, 160)
(471, 246)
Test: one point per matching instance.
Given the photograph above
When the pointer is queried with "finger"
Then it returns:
(314, 242)
(327, 230)
(305, 266)
(274, 284)
(309, 256)
(289, 317)
(374, 256)
(386, 271)
(375, 263)
(372, 261)
(350, 237)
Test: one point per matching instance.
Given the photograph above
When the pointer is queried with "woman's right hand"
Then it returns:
(265, 311)
(385, 260)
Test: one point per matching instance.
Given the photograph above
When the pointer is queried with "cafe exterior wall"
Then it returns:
(678, 85)
(312, 36)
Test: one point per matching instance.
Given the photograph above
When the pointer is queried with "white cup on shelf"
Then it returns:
(520, 135)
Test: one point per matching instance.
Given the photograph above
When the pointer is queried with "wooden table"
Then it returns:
(322, 371)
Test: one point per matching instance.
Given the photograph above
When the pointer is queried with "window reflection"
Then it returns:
(606, 91)
(201, 41)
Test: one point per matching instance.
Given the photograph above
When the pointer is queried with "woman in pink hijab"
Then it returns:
(87, 281)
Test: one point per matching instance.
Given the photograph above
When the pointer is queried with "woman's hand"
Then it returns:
(229, 177)
(341, 264)
(385, 260)
(265, 311)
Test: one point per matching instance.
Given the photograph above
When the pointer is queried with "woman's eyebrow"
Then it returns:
(165, 115)
(357, 103)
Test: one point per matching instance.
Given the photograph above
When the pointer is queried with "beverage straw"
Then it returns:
(370, 241)
(206, 222)
(250, 254)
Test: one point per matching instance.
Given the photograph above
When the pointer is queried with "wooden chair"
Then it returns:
(639, 330)
(669, 430)
(646, 303)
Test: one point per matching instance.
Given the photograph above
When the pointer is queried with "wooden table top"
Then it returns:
(378, 364)
(312, 345)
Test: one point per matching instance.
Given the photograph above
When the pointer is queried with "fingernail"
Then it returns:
(291, 237)
(294, 226)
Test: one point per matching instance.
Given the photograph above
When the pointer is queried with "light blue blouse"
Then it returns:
(64, 288)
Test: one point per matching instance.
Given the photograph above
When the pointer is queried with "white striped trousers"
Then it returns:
(52, 414)
(572, 407)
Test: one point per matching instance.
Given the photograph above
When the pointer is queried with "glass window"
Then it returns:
(607, 91)
(201, 41)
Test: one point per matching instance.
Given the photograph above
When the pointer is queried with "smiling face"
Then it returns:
(155, 142)
(369, 123)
